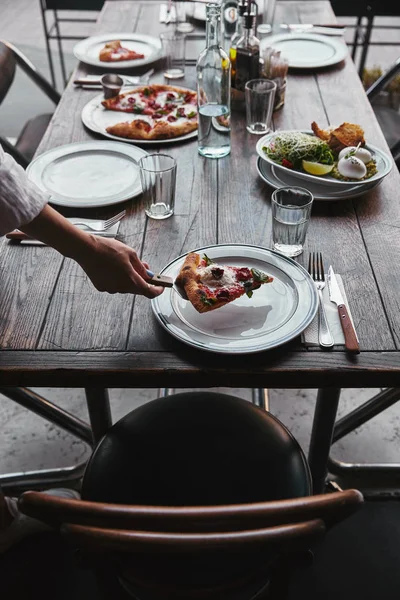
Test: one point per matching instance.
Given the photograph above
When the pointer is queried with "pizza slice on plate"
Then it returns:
(209, 285)
(114, 52)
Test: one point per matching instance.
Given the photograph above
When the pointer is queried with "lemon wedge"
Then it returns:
(315, 168)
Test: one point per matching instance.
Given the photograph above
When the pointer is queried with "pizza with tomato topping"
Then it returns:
(114, 52)
(209, 285)
(161, 112)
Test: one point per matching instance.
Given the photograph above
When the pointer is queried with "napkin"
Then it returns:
(309, 337)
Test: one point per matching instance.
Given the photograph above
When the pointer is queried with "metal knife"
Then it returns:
(335, 295)
(336, 30)
(23, 238)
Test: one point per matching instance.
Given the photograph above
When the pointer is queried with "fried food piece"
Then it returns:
(347, 134)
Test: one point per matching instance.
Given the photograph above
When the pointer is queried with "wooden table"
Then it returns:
(57, 331)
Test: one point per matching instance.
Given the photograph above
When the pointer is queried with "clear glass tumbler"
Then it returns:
(260, 99)
(158, 178)
(291, 210)
(174, 44)
(181, 11)
(268, 16)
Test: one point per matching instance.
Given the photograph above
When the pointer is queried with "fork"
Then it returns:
(98, 225)
(316, 270)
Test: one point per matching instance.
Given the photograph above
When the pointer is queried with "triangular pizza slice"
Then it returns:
(114, 52)
(209, 285)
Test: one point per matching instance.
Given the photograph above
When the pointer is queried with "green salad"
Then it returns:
(289, 149)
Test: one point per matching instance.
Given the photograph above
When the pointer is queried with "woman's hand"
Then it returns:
(114, 267)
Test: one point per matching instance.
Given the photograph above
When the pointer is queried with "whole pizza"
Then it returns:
(161, 112)
(210, 285)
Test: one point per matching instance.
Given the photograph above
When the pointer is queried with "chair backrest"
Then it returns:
(7, 70)
(202, 546)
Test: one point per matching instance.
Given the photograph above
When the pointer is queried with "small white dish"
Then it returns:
(384, 164)
(275, 314)
(308, 50)
(277, 179)
(88, 50)
(88, 174)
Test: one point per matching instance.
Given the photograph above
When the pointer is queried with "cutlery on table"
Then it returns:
(316, 270)
(351, 341)
(93, 225)
(337, 30)
(95, 81)
(165, 281)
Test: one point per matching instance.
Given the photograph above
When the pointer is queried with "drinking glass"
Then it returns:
(291, 210)
(260, 98)
(173, 44)
(268, 15)
(158, 178)
(182, 24)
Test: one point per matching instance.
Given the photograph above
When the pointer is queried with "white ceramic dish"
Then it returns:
(88, 174)
(96, 118)
(278, 179)
(88, 50)
(384, 165)
(308, 50)
(276, 313)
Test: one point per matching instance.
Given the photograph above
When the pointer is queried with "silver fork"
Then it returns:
(316, 270)
(100, 225)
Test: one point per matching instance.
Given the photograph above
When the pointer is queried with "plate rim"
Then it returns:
(315, 178)
(96, 101)
(341, 48)
(312, 310)
(129, 64)
(88, 143)
(318, 198)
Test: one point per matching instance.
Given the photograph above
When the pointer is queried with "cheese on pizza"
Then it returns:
(209, 285)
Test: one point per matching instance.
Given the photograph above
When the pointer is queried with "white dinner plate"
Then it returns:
(278, 179)
(276, 313)
(96, 118)
(384, 165)
(88, 50)
(308, 50)
(88, 174)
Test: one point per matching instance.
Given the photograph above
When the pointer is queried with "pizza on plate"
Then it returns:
(209, 285)
(114, 52)
(163, 111)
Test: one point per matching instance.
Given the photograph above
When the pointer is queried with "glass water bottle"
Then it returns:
(213, 90)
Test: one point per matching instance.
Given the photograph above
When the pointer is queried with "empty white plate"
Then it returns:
(88, 174)
(308, 50)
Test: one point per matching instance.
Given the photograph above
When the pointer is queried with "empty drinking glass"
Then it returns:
(181, 11)
(268, 15)
(158, 178)
(173, 44)
(291, 210)
(260, 98)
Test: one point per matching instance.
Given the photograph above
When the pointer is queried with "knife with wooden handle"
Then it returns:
(335, 295)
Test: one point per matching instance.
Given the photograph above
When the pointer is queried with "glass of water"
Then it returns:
(268, 16)
(182, 24)
(291, 210)
(260, 99)
(158, 178)
(173, 43)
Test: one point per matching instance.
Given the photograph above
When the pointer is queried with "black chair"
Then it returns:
(52, 31)
(32, 132)
(196, 495)
(388, 116)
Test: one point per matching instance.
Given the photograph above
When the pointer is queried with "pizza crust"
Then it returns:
(142, 130)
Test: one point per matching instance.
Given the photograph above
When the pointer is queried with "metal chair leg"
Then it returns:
(259, 397)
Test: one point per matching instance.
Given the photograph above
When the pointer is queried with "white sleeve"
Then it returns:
(20, 199)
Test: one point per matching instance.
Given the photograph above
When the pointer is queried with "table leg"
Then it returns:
(98, 403)
(321, 435)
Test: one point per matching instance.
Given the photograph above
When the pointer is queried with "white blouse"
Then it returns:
(20, 199)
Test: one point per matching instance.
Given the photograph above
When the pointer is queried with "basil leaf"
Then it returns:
(207, 260)
(259, 276)
(138, 110)
(192, 114)
(208, 301)
(249, 293)
(147, 92)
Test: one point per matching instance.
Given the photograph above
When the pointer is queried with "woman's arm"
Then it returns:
(111, 266)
